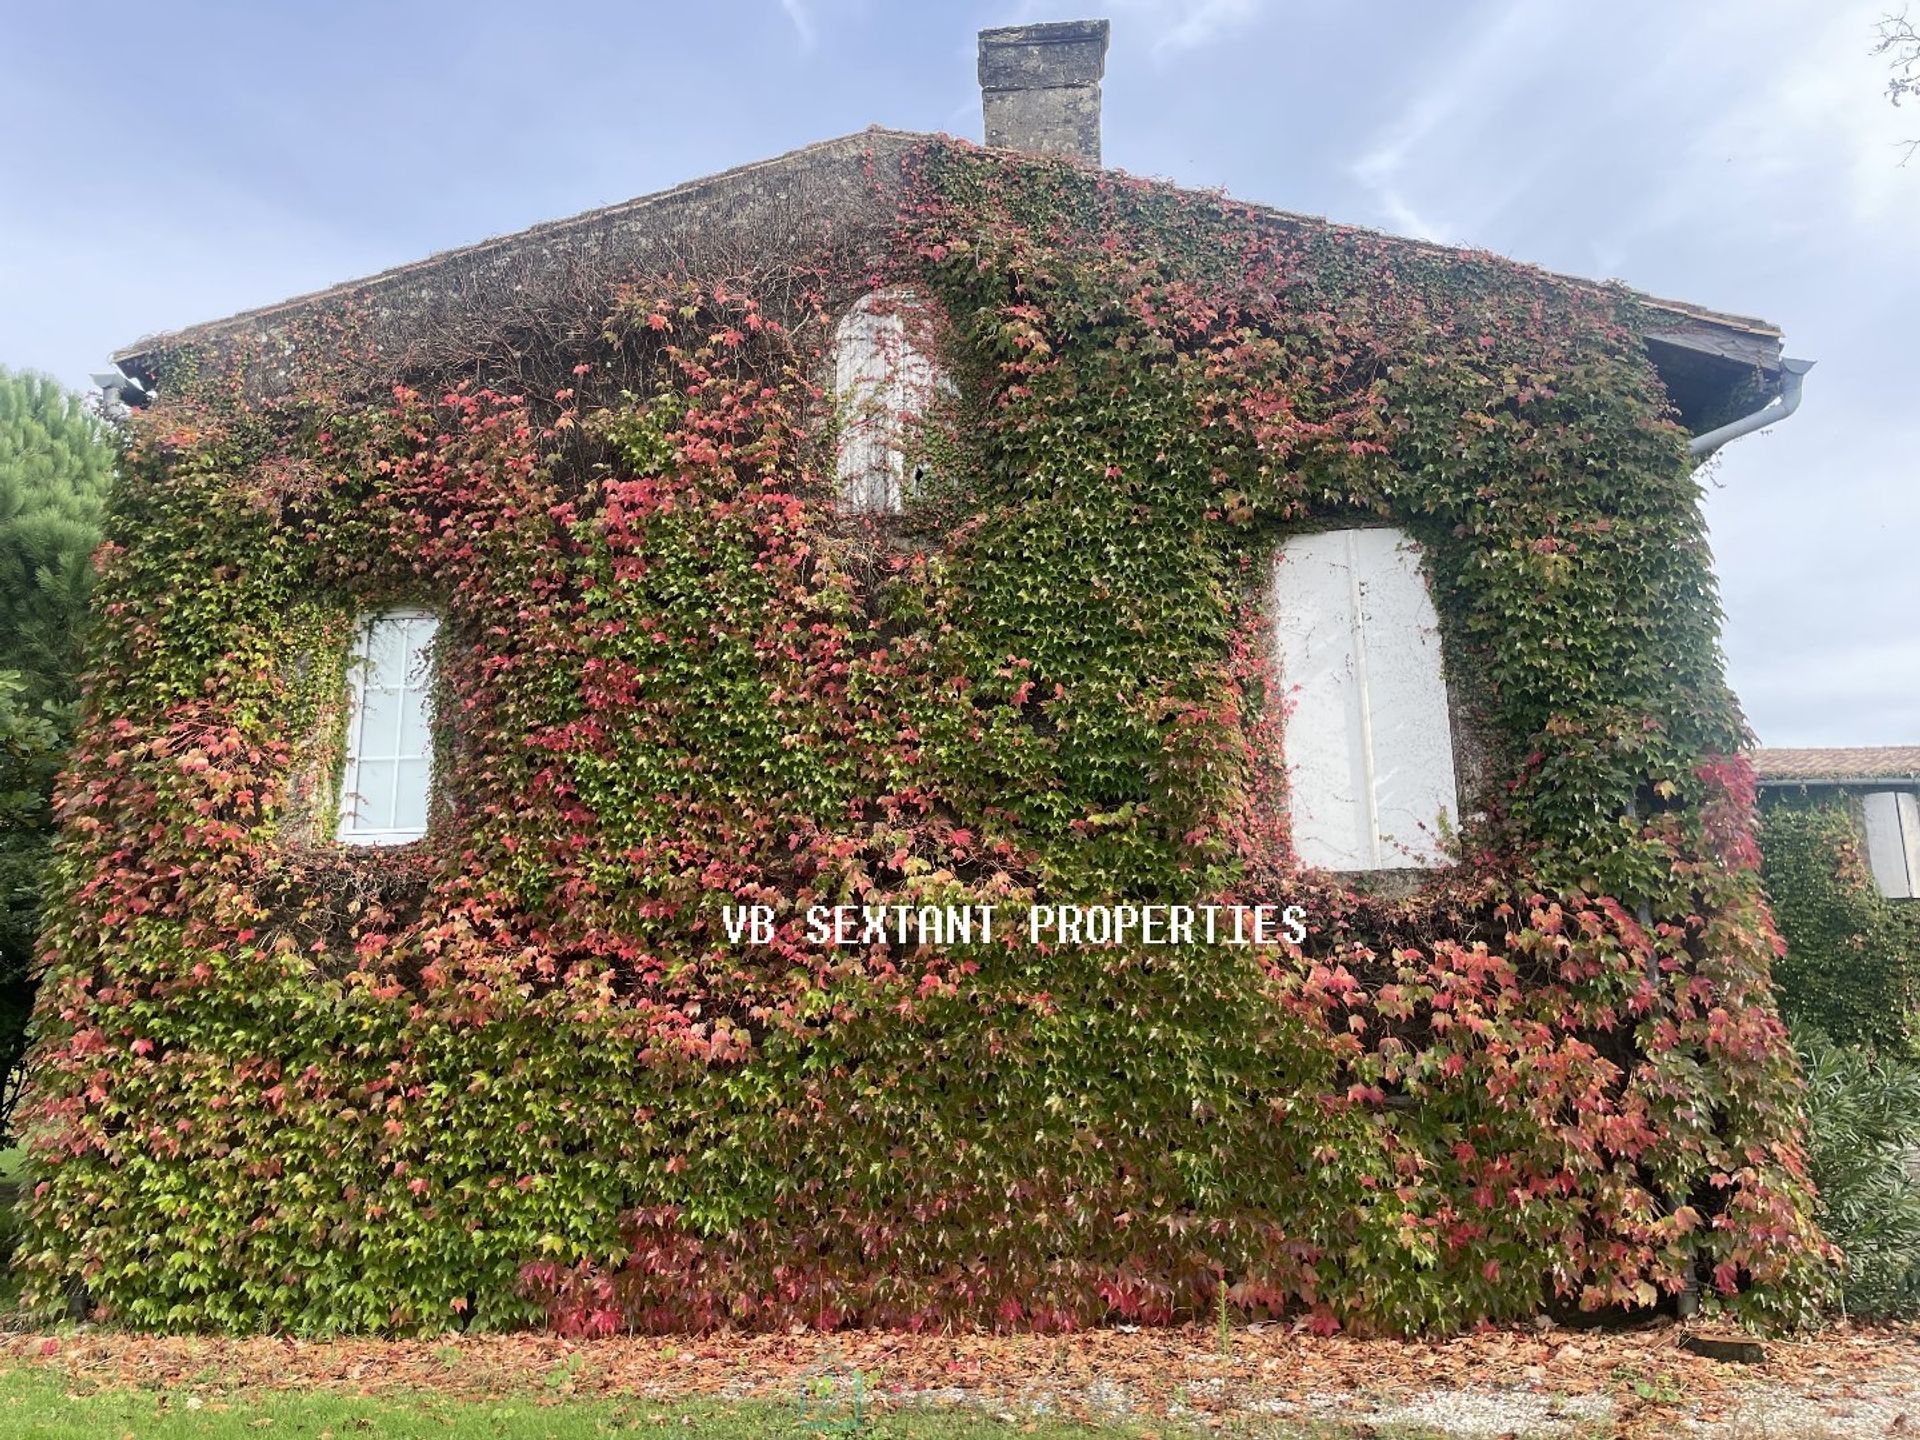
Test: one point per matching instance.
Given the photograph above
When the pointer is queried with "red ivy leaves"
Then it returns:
(517, 1072)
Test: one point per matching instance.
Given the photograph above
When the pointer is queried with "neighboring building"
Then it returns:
(1840, 833)
(906, 523)
(1880, 787)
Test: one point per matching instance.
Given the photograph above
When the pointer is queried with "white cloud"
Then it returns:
(802, 20)
(1822, 121)
(1176, 25)
(1201, 22)
(1740, 154)
(1812, 529)
(1465, 91)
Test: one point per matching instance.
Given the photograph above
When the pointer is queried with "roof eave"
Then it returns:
(1842, 782)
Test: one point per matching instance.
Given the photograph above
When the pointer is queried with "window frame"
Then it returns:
(346, 829)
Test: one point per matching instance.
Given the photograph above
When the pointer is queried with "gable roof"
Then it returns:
(831, 186)
(1838, 765)
(811, 188)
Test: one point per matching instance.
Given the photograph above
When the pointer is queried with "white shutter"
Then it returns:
(882, 380)
(1368, 739)
(388, 777)
(1893, 842)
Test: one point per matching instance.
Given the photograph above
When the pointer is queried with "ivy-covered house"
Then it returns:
(1840, 832)
(906, 524)
(1878, 789)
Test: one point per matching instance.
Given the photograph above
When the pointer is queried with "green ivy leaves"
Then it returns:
(519, 1074)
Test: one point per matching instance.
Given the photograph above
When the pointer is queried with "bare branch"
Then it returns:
(1899, 41)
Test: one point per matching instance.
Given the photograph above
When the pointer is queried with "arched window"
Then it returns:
(1368, 739)
(388, 777)
(883, 381)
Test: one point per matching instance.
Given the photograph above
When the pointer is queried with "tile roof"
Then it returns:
(1835, 765)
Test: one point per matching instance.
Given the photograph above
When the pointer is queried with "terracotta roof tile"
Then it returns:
(1836, 764)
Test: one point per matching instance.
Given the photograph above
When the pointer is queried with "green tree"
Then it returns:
(56, 461)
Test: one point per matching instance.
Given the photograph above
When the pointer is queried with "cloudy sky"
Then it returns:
(172, 163)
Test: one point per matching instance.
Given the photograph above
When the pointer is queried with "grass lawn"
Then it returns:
(38, 1404)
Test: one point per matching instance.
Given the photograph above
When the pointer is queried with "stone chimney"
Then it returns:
(1040, 87)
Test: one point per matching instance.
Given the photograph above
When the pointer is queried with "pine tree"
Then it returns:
(56, 461)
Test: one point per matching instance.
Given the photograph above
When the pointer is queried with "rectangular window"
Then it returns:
(1368, 737)
(389, 767)
(1893, 842)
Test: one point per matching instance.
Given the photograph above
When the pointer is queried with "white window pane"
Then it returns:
(410, 796)
(380, 723)
(1893, 842)
(1368, 739)
(420, 630)
(386, 653)
(371, 802)
(388, 778)
(415, 732)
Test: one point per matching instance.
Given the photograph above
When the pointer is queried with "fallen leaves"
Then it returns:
(1644, 1375)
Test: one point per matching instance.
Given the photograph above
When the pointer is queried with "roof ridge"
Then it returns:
(397, 274)
(533, 234)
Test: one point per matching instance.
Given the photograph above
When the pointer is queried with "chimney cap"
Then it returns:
(1041, 57)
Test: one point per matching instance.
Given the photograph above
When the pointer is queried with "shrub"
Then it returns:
(1863, 1144)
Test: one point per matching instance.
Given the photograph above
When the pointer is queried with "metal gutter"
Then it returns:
(1880, 782)
(1782, 403)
